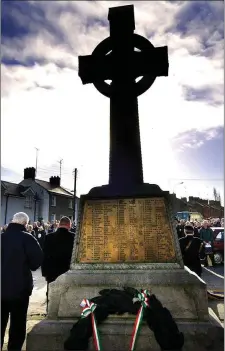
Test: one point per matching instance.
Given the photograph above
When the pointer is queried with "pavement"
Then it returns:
(37, 304)
(213, 276)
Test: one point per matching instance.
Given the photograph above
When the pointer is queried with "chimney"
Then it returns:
(54, 181)
(29, 173)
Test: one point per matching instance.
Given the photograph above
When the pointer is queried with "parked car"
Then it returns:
(218, 248)
(217, 230)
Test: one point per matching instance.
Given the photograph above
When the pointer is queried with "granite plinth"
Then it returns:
(50, 335)
(182, 292)
(110, 190)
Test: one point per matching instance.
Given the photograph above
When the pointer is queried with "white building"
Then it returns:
(41, 200)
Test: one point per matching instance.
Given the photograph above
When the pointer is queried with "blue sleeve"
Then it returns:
(33, 252)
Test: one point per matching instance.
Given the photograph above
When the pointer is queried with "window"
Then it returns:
(53, 201)
(70, 203)
(28, 202)
(53, 217)
(220, 236)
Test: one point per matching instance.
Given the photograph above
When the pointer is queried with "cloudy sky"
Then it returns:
(45, 105)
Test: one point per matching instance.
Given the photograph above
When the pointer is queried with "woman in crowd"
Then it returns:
(30, 229)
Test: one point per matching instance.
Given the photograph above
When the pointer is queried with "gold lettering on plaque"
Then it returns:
(128, 230)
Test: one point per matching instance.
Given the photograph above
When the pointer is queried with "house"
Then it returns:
(40, 199)
(178, 205)
(208, 208)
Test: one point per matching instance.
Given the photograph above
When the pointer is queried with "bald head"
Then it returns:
(65, 222)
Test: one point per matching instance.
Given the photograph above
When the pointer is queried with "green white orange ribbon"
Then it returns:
(143, 298)
(88, 308)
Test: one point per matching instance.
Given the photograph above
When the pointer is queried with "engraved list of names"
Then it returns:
(128, 230)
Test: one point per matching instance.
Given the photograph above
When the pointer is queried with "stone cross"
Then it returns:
(116, 59)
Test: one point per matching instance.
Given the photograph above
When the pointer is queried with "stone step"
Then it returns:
(49, 335)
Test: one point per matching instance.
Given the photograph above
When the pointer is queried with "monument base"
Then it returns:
(181, 291)
(50, 335)
(109, 190)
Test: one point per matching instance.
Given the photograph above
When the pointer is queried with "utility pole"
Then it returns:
(60, 168)
(74, 193)
(36, 161)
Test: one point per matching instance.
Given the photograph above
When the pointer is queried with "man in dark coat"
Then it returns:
(20, 254)
(180, 229)
(58, 249)
(191, 248)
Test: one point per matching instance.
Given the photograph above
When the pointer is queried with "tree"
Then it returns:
(216, 195)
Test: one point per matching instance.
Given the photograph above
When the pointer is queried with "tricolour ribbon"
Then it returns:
(88, 308)
(143, 298)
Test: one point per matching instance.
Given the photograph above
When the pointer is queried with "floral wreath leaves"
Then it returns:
(141, 303)
(89, 307)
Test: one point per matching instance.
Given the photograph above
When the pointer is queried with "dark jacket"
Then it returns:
(191, 254)
(35, 230)
(196, 232)
(41, 234)
(20, 254)
(180, 231)
(206, 234)
(58, 250)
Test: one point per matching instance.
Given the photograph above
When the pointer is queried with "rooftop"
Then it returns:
(52, 189)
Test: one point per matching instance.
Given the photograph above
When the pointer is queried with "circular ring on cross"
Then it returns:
(140, 43)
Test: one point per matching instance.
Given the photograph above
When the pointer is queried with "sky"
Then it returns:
(45, 105)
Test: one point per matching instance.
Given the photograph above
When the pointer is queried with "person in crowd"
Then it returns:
(53, 227)
(4, 228)
(46, 227)
(74, 228)
(20, 254)
(41, 236)
(35, 228)
(196, 230)
(58, 249)
(191, 249)
(180, 229)
(206, 235)
(30, 229)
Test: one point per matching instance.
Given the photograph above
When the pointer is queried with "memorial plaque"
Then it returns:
(127, 230)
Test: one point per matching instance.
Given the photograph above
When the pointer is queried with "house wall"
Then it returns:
(61, 208)
(42, 207)
(178, 205)
(3, 203)
(16, 204)
(43, 204)
(215, 212)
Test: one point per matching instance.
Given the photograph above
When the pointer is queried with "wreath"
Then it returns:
(142, 303)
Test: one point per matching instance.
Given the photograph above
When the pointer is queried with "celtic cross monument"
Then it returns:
(125, 232)
(116, 59)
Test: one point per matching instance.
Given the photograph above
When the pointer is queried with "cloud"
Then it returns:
(210, 95)
(204, 20)
(194, 138)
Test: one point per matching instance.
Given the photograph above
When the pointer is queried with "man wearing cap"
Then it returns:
(191, 248)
